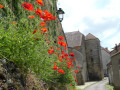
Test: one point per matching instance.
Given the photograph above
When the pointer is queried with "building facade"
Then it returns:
(114, 68)
(82, 46)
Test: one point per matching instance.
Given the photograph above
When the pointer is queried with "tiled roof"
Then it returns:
(90, 36)
(105, 50)
(74, 38)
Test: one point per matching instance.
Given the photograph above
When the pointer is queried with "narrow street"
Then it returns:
(98, 86)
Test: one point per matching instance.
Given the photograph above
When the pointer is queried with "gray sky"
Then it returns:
(99, 17)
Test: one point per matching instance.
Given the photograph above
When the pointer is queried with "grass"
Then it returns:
(110, 87)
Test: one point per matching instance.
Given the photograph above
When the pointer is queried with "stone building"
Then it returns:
(105, 58)
(93, 57)
(114, 67)
(76, 44)
(82, 46)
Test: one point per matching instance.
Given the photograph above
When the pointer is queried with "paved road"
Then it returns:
(98, 86)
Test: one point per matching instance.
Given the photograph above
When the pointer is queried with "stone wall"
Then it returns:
(78, 63)
(83, 52)
(55, 26)
(93, 57)
(11, 78)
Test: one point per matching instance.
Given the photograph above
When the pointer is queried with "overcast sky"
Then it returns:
(98, 17)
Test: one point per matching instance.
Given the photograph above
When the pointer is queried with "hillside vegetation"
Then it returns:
(37, 46)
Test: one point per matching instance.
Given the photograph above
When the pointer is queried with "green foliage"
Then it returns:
(109, 87)
(17, 45)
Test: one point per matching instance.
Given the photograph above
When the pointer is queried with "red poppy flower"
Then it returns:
(44, 29)
(68, 67)
(50, 51)
(55, 63)
(34, 31)
(61, 71)
(61, 38)
(1, 6)
(63, 52)
(31, 17)
(45, 15)
(38, 12)
(53, 18)
(72, 54)
(61, 60)
(69, 64)
(55, 67)
(69, 59)
(62, 43)
(66, 54)
(76, 71)
(75, 80)
(43, 24)
(74, 59)
(78, 67)
(74, 76)
(58, 48)
(28, 6)
(61, 56)
(40, 2)
(65, 47)
(70, 84)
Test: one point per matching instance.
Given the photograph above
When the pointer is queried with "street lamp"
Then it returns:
(60, 13)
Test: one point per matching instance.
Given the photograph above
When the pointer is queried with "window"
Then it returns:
(91, 51)
(92, 59)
